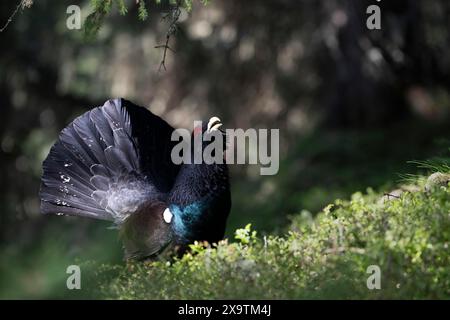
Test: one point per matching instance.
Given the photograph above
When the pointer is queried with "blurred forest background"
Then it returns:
(353, 106)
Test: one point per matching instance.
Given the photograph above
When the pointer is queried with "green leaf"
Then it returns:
(142, 11)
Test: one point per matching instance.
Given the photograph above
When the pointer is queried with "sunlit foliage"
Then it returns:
(101, 8)
(407, 236)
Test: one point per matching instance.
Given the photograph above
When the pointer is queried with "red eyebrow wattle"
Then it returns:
(197, 130)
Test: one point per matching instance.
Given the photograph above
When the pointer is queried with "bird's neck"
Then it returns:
(195, 188)
(186, 218)
(197, 182)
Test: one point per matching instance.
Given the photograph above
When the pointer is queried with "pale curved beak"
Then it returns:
(214, 124)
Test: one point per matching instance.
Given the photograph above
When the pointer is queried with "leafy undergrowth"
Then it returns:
(406, 234)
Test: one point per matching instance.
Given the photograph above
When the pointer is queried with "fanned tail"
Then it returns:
(94, 169)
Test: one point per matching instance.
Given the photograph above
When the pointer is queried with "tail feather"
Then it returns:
(90, 138)
(94, 168)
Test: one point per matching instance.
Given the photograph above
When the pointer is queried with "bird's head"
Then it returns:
(210, 132)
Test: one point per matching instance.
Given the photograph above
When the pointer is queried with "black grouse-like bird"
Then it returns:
(114, 163)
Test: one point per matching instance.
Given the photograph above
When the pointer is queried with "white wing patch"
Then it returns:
(167, 215)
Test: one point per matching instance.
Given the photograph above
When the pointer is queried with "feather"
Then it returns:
(107, 163)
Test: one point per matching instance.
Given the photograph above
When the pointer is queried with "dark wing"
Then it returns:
(138, 242)
(108, 162)
(153, 140)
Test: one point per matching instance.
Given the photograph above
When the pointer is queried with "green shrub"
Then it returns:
(406, 235)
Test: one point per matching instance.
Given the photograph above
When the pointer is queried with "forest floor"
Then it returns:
(402, 238)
